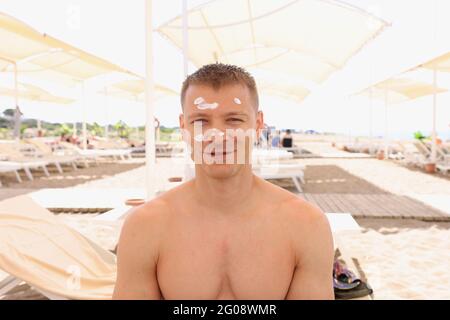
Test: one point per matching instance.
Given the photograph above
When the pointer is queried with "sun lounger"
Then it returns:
(295, 172)
(267, 156)
(83, 155)
(44, 151)
(13, 155)
(6, 166)
(413, 153)
(113, 148)
(57, 261)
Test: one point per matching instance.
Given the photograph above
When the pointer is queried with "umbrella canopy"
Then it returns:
(283, 36)
(134, 90)
(23, 50)
(43, 56)
(401, 89)
(288, 90)
(398, 90)
(441, 63)
(34, 93)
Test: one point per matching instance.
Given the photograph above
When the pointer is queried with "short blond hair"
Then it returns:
(218, 75)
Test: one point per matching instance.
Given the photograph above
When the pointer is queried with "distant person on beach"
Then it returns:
(276, 142)
(287, 140)
(226, 233)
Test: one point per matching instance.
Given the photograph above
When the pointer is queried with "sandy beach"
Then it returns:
(400, 258)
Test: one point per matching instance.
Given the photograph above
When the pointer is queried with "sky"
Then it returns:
(114, 30)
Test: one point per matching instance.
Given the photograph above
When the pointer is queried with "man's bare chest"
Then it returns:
(252, 262)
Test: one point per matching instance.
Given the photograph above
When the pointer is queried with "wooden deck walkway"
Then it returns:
(375, 206)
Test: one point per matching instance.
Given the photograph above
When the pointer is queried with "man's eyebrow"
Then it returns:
(235, 113)
(197, 115)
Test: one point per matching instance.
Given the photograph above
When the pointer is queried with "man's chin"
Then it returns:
(221, 171)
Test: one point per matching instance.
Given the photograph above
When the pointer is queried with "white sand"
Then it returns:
(404, 263)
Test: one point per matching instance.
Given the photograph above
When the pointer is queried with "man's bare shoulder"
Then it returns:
(146, 223)
(290, 205)
(151, 212)
(297, 213)
(156, 212)
(300, 211)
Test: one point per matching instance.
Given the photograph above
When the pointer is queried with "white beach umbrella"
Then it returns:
(439, 64)
(23, 50)
(34, 93)
(310, 39)
(397, 90)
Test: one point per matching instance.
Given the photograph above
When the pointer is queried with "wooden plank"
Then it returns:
(388, 205)
(339, 200)
(352, 204)
(355, 206)
(322, 203)
(348, 204)
(377, 207)
(414, 209)
(364, 206)
(427, 210)
(329, 201)
(407, 209)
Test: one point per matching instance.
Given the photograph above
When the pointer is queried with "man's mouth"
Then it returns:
(220, 153)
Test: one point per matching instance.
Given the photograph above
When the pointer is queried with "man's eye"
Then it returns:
(200, 121)
(235, 120)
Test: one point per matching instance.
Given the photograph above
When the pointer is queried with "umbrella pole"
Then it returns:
(16, 101)
(187, 168)
(185, 39)
(149, 92)
(84, 117)
(371, 114)
(433, 133)
(106, 113)
(386, 125)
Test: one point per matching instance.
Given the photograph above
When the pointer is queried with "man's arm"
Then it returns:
(313, 245)
(137, 254)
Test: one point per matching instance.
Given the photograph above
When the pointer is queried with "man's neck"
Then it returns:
(225, 195)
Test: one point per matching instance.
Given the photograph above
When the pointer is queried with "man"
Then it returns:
(286, 142)
(226, 234)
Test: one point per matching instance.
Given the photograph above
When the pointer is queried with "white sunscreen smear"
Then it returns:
(202, 105)
(199, 100)
(237, 101)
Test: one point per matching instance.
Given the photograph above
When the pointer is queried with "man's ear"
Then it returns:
(181, 120)
(259, 123)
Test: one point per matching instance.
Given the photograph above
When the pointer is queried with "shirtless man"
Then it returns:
(226, 234)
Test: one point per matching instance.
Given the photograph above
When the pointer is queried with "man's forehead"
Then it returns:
(196, 90)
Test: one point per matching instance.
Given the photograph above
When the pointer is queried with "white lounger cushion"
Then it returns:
(50, 256)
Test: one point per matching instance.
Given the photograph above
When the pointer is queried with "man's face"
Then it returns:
(219, 124)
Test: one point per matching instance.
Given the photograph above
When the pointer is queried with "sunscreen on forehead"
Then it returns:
(202, 105)
(199, 100)
(237, 101)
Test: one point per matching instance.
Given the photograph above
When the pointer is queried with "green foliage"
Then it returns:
(122, 129)
(97, 130)
(64, 129)
(419, 136)
(166, 130)
(23, 127)
(9, 113)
